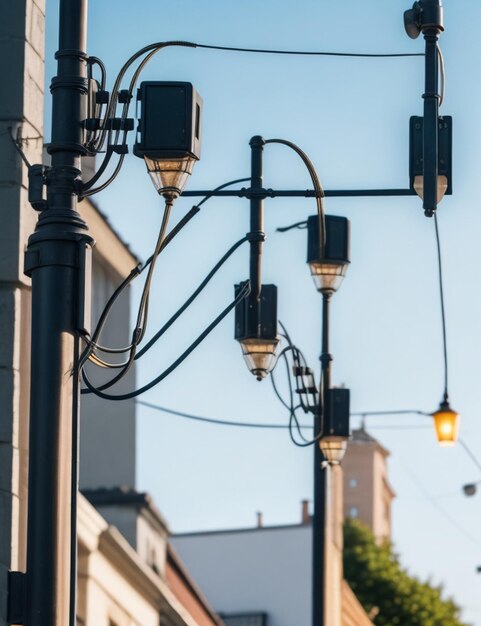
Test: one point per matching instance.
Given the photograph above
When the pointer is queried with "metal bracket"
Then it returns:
(445, 132)
(16, 597)
(37, 190)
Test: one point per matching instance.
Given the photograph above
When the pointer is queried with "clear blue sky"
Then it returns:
(351, 116)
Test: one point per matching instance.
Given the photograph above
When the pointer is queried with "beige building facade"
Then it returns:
(21, 116)
(117, 587)
(367, 492)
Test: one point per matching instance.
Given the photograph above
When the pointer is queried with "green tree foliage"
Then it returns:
(379, 582)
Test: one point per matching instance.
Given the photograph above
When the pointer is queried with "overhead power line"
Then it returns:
(367, 55)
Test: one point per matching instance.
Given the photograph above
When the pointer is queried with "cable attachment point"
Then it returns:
(257, 235)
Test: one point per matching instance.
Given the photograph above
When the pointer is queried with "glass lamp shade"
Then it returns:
(170, 175)
(446, 424)
(333, 448)
(260, 355)
(327, 276)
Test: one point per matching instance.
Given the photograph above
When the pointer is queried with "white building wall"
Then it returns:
(267, 569)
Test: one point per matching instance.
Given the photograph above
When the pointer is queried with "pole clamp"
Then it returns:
(256, 235)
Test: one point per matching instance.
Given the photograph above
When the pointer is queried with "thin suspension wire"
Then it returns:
(397, 412)
(240, 424)
(311, 53)
(443, 312)
(210, 420)
(470, 453)
(154, 48)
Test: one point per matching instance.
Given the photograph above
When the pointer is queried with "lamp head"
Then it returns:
(328, 263)
(169, 133)
(446, 424)
(256, 329)
(259, 355)
(333, 448)
(335, 429)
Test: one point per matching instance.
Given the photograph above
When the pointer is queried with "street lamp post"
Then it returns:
(57, 259)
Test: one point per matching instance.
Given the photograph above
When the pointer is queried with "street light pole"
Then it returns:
(321, 477)
(57, 260)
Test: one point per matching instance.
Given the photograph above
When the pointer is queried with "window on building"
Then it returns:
(353, 482)
(245, 619)
(353, 512)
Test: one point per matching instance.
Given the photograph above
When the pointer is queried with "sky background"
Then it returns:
(351, 116)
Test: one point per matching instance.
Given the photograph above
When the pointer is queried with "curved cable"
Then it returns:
(232, 182)
(154, 48)
(317, 187)
(442, 72)
(443, 312)
(191, 299)
(133, 394)
(92, 343)
(136, 355)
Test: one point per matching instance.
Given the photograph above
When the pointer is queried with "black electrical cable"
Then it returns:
(154, 48)
(103, 70)
(211, 194)
(297, 355)
(284, 229)
(143, 306)
(443, 313)
(292, 413)
(191, 299)
(136, 355)
(210, 420)
(142, 314)
(277, 392)
(127, 396)
(317, 187)
(92, 342)
(90, 192)
(309, 53)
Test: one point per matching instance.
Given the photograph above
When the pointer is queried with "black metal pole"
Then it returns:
(432, 26)
(301, 193)
(319, 572)
(57, 259)
(256, 226)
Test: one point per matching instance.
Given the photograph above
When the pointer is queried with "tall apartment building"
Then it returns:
(367, 492)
